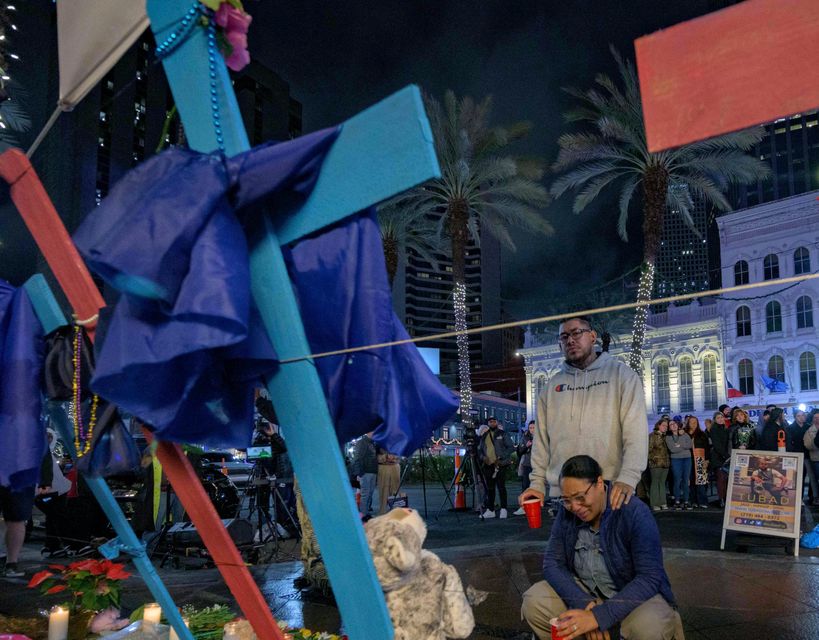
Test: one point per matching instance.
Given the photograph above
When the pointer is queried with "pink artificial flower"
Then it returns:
(234, 23)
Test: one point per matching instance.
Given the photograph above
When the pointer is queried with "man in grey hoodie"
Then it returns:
(594, 406)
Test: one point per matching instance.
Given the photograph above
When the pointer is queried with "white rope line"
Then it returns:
(552, 318)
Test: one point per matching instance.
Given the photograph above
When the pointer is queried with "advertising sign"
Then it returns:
(764, 494)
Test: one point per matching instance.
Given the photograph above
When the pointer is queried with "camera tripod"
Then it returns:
(469, 473)
(424, 455)
(261, 487)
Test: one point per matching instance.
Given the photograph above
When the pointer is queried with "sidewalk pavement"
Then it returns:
(762, 593)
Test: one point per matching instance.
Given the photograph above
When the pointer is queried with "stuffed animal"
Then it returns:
(424, 596)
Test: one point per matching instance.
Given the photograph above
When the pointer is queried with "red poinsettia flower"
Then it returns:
(83, 565)
(38, 578)
(117, 572)
(56, 589)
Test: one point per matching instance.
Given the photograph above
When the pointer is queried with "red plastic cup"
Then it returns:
(532, 508)
(555, 634)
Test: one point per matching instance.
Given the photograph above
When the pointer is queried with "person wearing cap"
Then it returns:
(603, 568)
(595, 406)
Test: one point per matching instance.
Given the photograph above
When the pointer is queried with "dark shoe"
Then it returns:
(677, 506)
(687, 506)
(11, 571)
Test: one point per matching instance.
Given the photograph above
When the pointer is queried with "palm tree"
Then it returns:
(401, 234)
(481, 187)
(615, 151)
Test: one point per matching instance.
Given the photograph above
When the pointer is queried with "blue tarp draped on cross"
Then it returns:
(22, 437)
(184, 344)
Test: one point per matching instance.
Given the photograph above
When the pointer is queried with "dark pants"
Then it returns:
(495, 477)
(54, 507)
(722, 483)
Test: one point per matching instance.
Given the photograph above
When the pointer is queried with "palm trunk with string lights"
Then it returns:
(655, 184)
(458, 232)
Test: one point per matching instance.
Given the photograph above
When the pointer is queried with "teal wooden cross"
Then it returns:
(379, 153)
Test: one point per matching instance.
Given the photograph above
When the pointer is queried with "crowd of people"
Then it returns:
(683, 458)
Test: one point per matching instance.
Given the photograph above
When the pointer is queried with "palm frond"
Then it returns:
(580, 176)
(592, 190)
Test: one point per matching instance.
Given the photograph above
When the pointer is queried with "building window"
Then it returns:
(709, 382)
(743, 322)
(801, 261)
(741, 273)
(773, 317)
(445, 433)
(663, 388)
(686, 385)
(804, 312)
(746, 377)
(807, 371)
(771, 267)
(776, 368)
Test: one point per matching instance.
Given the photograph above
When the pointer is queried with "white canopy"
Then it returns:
(92, 35)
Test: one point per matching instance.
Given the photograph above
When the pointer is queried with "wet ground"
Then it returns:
(762, 592)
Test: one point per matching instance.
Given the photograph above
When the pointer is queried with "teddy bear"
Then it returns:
(424, 595)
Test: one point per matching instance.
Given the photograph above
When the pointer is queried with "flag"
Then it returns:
(732, 392)
(773, 385)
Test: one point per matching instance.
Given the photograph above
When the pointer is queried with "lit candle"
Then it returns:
(231, 631)
(173, 635)
(152, 613)
(58, 624)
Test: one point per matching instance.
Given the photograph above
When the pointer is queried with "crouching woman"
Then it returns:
(603, 569)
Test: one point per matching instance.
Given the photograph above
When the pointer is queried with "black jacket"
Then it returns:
(720, 445)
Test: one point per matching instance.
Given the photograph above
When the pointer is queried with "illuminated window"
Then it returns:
(686, 385)
(663, 387)
(807, 371)
(709, 382)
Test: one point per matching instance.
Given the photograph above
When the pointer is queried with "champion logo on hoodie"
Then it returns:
(568, 387)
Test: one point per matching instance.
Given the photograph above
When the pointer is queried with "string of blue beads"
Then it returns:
(177, 37)
(180, 34)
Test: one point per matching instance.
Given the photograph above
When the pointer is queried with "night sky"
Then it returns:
(340, 57)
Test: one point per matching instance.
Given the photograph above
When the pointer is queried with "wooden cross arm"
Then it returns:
(745, 65)
(51, 237)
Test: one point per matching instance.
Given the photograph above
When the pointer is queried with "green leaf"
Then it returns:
(211, 4)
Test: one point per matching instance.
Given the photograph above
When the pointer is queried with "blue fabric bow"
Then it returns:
(184, 344)
(22, 350)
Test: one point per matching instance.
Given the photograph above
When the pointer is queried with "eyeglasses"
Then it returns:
(581, 499)
(563, 338)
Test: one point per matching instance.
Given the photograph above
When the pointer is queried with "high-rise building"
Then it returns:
(422, 298)
(682, 262)
(122, 121)
(791, 149)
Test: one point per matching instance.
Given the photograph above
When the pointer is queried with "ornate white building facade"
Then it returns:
(692, 352)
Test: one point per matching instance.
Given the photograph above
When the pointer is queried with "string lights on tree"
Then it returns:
(462, 340)
(635, 359)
